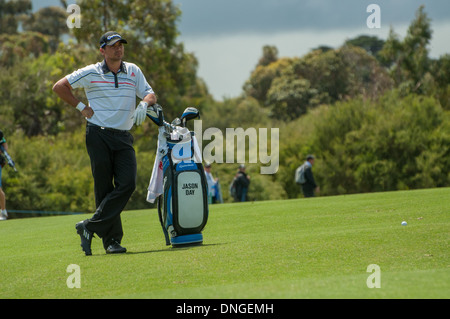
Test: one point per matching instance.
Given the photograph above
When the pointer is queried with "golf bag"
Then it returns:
(183, 204)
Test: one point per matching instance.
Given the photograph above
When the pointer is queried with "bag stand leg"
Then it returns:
(166, 234)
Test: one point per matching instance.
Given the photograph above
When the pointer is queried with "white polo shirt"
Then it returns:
(111, 96)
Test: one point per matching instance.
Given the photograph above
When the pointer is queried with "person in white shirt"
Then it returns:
(111, 88)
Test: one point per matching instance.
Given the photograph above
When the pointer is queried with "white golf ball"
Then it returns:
(404, 223)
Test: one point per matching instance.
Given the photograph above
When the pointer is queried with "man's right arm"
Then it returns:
(64, 90)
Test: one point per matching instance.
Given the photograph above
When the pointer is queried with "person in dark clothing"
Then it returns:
(3, 212)
(242, 183)
(310, 187)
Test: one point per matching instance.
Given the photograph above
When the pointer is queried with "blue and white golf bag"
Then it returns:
(178, 181)
(183, 205)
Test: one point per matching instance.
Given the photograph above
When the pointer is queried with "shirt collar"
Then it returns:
(105, 68)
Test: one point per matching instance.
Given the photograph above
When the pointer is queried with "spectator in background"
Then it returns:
(3, 212)
(214, 195)
(310, 187)
(242, 181)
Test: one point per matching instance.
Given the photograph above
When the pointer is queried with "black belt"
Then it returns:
(89, 124)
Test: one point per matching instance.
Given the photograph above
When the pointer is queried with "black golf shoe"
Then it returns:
(115, 248)
(86, 237)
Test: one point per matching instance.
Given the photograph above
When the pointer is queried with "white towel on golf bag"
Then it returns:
(155, 187)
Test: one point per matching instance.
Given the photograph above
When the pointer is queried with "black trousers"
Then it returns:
(113, 164)
(308, 191)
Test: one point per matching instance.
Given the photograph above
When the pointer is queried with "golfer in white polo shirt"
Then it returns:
(111, 88)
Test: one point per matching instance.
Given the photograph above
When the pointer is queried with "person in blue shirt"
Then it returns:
(214, 191)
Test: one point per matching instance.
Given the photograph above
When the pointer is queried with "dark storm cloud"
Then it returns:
(203, 17)
(221, 17)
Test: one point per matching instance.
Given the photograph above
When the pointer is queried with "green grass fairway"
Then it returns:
(305, 248)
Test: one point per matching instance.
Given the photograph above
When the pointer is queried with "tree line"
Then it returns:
(375, 113)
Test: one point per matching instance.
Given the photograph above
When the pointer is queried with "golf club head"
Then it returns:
(155, 113)
(176, 122)
(189, 114)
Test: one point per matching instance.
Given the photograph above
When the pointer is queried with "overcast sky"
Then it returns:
(227, 36)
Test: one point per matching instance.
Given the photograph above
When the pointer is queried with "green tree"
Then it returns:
(14, 48)
(291, 86)
(261, 79)
(382, 145)
(371, 44)
(30, 102)
(408, 59)
(326, 72)
(366, 77)
(270, 54)
(290, 97)
(50, 21)
(11, 12)
(151, 31)
(53, 173)
(391, 143)
(441, 72)
(32, 65)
